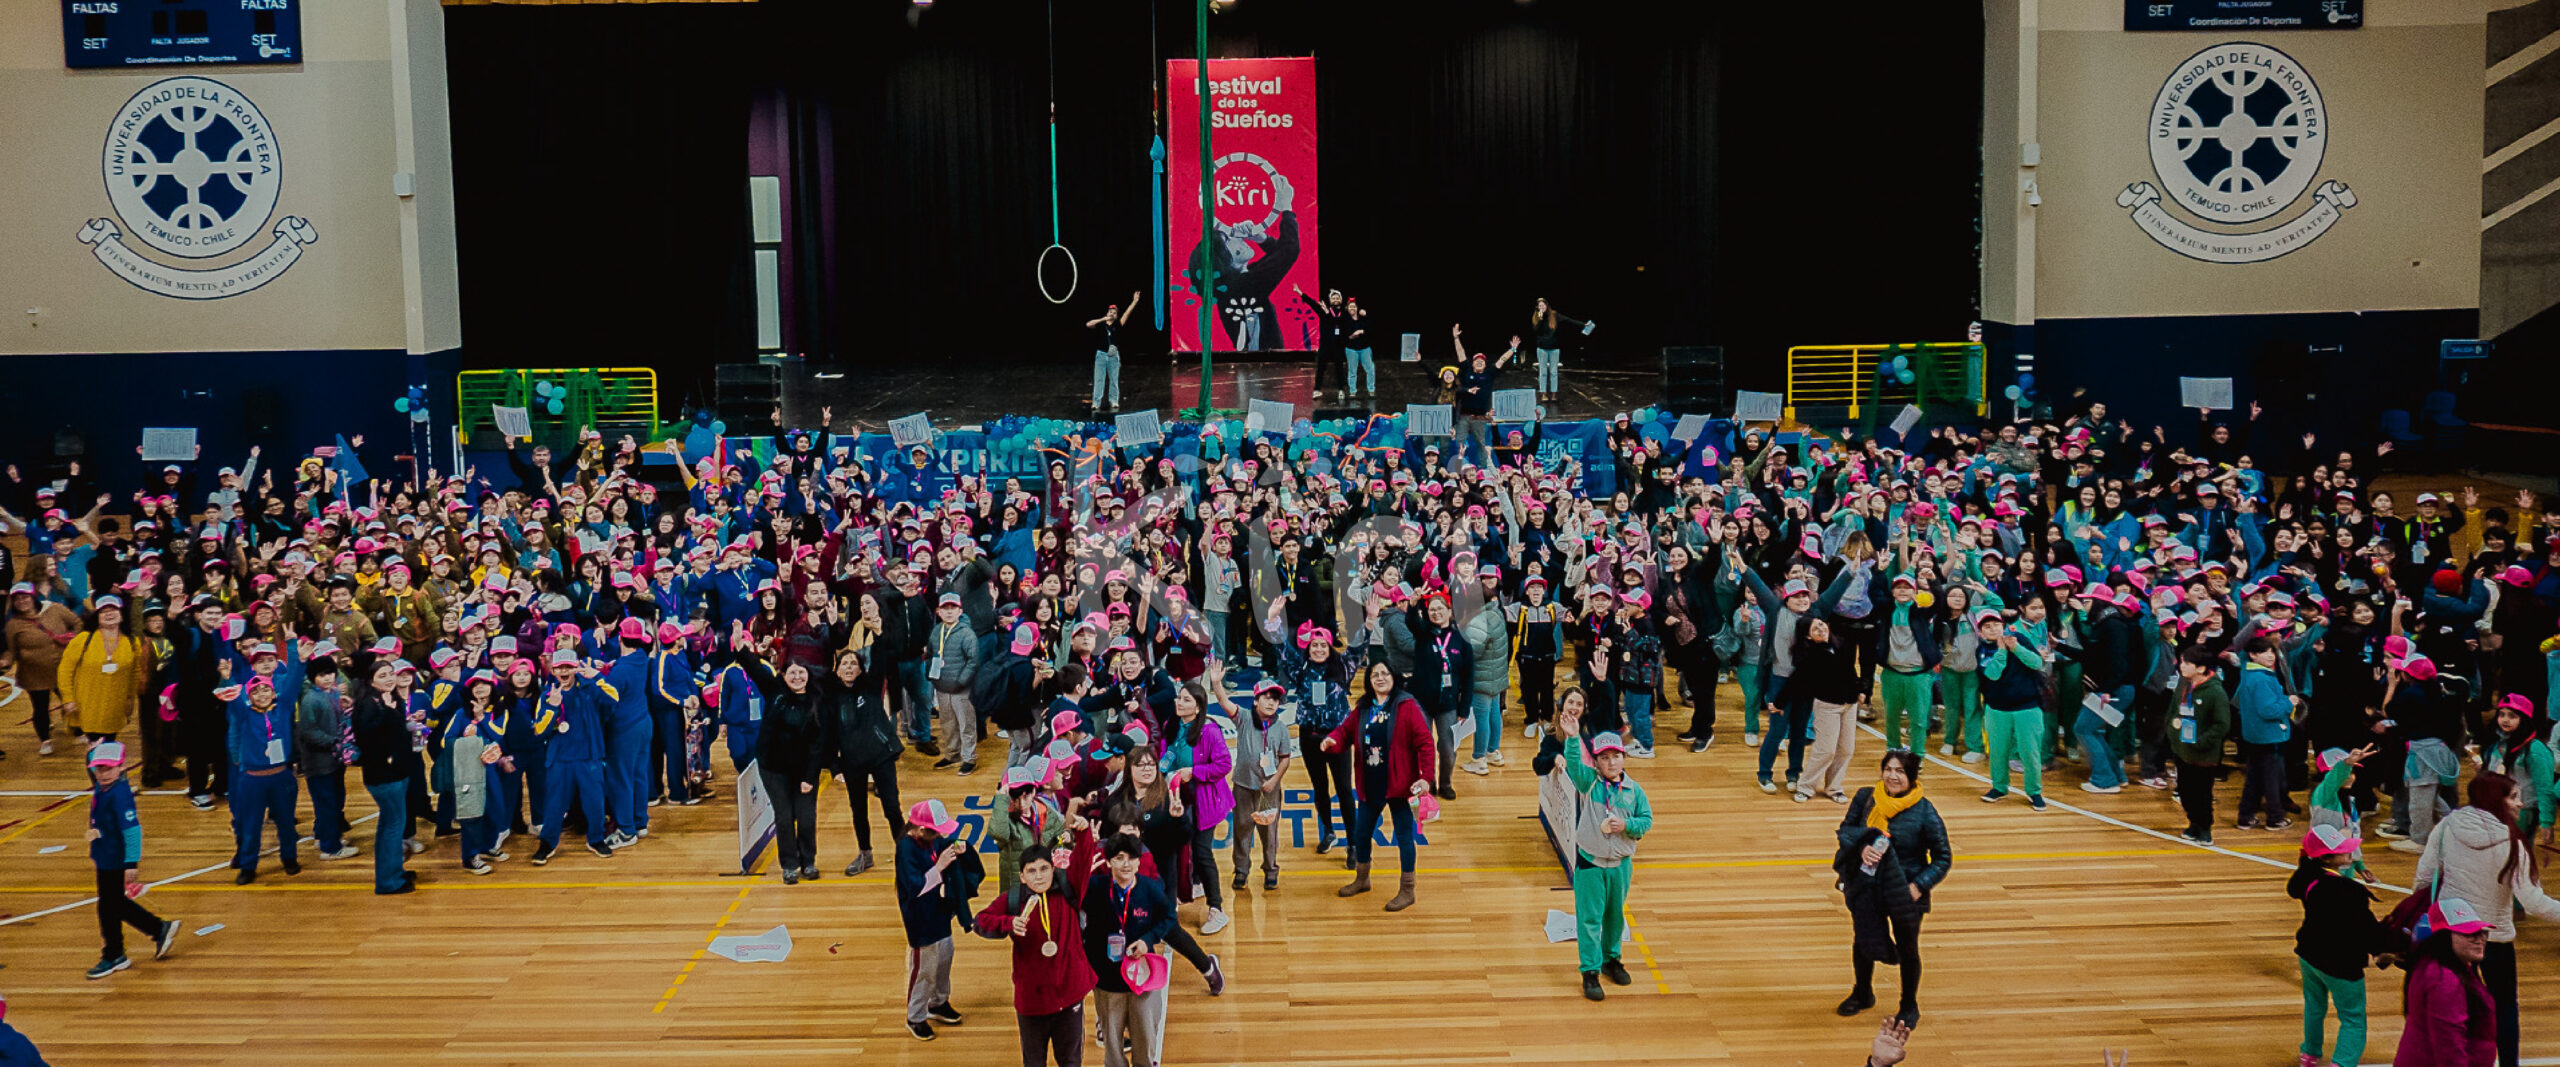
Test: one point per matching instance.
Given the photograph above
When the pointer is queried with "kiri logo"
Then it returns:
(194, 171)
(2237, 134)
(1240, 191)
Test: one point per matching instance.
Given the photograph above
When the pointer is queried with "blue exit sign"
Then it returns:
(165, 33)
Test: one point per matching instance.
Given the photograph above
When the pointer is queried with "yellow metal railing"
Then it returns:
(614, 400)
(1845, 376)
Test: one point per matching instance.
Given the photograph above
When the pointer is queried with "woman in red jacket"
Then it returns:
(1390, 744)
(2449, 1020)
(1043, 918)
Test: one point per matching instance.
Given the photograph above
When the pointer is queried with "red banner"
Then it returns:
(1262, 140)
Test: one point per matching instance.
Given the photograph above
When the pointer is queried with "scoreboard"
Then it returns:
(150, 33)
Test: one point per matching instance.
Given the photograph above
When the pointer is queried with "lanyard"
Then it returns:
(1126, 897)
(1042, 912)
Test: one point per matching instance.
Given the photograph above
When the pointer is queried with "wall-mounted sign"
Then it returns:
(2229, 15)
(193, 172)
(2236, 137)
(150, 33)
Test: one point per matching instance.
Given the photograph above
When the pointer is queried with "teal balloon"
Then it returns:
(401, 404)
(718, 428)
(554, 406)
(2011, 392)
(1905, 377)
(1901, 362)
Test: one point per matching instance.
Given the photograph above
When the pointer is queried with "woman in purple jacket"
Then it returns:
(1196, 761)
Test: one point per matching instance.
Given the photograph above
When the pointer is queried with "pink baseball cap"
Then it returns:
(1607, 741)
(1146, 972)
(2457, 915)
(632, 629)
(932, 813)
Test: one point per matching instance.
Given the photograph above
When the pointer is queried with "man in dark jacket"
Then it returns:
(906, 617)
(195, 665)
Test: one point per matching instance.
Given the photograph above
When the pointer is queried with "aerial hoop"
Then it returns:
(1040, 274)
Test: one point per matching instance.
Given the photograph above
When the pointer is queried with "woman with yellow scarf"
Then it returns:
(1893, 853)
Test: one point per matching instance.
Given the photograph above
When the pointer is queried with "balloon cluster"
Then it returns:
(2025, 391)
(414, 403)
(552, 397)
(1016, 439)
(1897, 370)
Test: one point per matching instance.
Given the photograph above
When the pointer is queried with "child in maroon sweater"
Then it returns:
(1043, 918)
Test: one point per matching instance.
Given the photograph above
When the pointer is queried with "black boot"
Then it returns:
(1858, 1002)
(1617, 972)
(1591, 986)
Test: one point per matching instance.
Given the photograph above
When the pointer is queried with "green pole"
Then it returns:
(1208, 217)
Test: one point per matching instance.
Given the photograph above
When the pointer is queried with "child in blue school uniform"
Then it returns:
(115, 849)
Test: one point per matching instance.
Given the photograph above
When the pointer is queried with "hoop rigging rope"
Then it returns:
(1040, 267)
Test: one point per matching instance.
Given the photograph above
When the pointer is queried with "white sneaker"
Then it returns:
(1530, 731)
(1217, 921)
(413, 846)
(1474, 766)
(1751, 740)
(1642, 752)
(2406, 845)
(1494, 757)
(1973, 757)
(44, 748)
(345, 851)
(1946, 750)
(1767, 786)
(2088, 787)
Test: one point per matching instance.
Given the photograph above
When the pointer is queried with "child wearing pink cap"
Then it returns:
(2337, 937)
(937, 874)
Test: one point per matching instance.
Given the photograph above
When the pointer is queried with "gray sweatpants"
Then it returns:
(959, 722)
(1241, 830)
(929, 979)
(1141, 1017)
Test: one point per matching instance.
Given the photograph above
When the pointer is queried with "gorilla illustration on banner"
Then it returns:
(1261, 237)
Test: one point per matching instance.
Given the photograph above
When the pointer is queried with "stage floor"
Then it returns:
(1593, 387)
(2055, 935)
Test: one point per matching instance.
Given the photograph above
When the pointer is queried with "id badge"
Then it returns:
(107, 668)
(2187, 730)
(1118, 945)
(755, 709)
(275, 750)
(1270, 765)
(934, 670)
(1316, 691)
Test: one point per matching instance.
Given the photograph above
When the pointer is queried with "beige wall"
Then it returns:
(335, 126)
(2403, 99)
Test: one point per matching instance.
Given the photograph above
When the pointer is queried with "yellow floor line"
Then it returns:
(716, 927)
(1650, 964)
(38, 821)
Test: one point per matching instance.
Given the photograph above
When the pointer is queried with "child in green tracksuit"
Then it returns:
(2338, 937)
(1610, 814)
(2331, 807)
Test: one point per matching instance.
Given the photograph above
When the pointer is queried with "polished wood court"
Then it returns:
(2057, 934)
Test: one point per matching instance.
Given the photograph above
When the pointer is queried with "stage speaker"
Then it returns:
(1693, 380)
(259, 410)
(744, 394)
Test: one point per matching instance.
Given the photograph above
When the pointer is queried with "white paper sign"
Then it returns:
(1139, 428)
(1427, 420)
(1409, 348)
(1689, 427)
(168, 445)
(755, 817)
(771, 946)
(2211, 394)
(1515, 405)
(1269, 416)
(916, 429)
(1903, 423)
(512, 422)
(1749, 406)
(1562, 927)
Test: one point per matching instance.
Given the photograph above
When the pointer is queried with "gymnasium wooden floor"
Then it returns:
(2056, 935)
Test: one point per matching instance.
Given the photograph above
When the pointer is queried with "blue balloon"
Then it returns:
(401, 404)
(553, 406)
(2011, 392)
(417, 392)
(2026, 381)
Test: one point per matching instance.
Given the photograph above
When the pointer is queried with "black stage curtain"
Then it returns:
(1751, 175)
(600, 161)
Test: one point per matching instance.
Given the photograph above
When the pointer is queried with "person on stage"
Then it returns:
(1106, 353)
(1333, 324)
(1358, 355)
(1544, 323)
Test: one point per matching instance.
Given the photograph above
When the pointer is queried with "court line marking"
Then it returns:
(2181, 843)
(1650, 964)
(49, 813)
(867, 880)
(752, 871)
